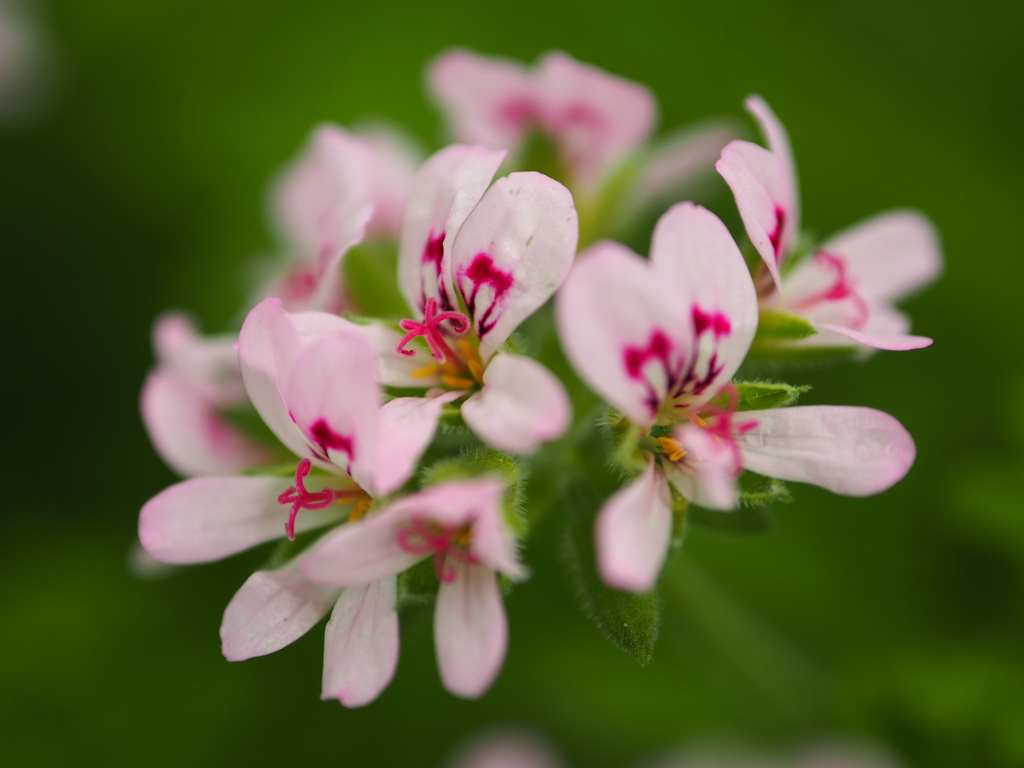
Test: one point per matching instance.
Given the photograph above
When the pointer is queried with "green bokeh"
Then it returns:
(142, 187)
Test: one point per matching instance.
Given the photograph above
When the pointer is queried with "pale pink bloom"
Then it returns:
(505, 748)
(345, 187)
(319, 394)
(184, 398)
(596, 119)
(848, 286)
(459, 524)
(474, 263)
(660, 340)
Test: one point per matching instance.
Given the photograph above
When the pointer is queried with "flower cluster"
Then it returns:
(431, 365)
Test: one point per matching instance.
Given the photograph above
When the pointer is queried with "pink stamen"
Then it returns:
(421, 537)
(300, 498)
(430, 330)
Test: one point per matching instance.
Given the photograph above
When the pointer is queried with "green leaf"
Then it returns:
(758, 490)
(758, 395)
(631, 622)
(774, 327)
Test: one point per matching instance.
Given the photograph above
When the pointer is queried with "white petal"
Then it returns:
(271, 610)
(405, 427)
(521, 405)
(207, 518)
(513, 252)
(633, 532)
(848, 450)
(470, 631)
(361, 644)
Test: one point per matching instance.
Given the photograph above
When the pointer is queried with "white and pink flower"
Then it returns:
(847, 287)
(461, 525)
(474, 263)
(660, 340)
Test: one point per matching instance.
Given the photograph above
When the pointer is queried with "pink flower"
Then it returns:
(474, 263)
(461, 526)
(660, 340)
(343, 188)
(184, 399)
(319, 394)
(847, 287)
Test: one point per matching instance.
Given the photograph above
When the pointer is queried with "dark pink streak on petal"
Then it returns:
(433, 256)
(326, 438)
(659, 349)
(519, 111)
(694, 381)
(776, 234)
(841, 288)
(481, 272)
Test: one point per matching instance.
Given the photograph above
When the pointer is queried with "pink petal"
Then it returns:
(361, 552)
(271, 610)
(446, 188)
(512, 253)
(522, 404)
(614, 302)
(361, 644)
(778, 142)
(881, 341)
(405, 427)
(267, 347)
(209, 364)
(848, 450)
(696, 253)
(889, 255)
(189, 433)
(707, 474)
(759, 183)
(487, 99)
(207, 518)
(470, 631)
(633, 531)
(322, 202)
(333, 397)
(597, 119)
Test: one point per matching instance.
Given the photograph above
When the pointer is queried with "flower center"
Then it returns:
(423, 537)
(839, 287)
(431, 330)
(301, 498)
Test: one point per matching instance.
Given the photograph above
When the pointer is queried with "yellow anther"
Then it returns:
(358, 510)
(430, 369)
(477, 370)
(699, 421)
(465, 346)
(671, 448)
(462, 537)
(456, 382)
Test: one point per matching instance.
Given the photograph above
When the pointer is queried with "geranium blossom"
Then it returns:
(461, 526)
(474, 263)
(660, 341)
(847, 286)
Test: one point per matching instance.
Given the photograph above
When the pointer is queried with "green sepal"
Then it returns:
(759, 395)
(758, 490)
(274, 470)
(630, 621)
(417, 585)
(680, 517)
(774, 327)
(371, 280)
(625, 437)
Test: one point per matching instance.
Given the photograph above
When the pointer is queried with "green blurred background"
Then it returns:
(141, 186)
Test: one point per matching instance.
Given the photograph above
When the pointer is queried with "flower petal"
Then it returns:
(207, 518)
(521, 405)
(696, 253)
(633, 531)
(267, 347)
(189, 433)
(596, 118)
(778, 142)
(361, 644)
(848, 450)
(612, 306)
(405, 427)
(361, 552)
(889, 255)
(446, 188)
(470, 631)
(707, 474)
(271, 610)
(881, 340)
(486, 99)
(208, 363)
(333, 397)
(513, 252)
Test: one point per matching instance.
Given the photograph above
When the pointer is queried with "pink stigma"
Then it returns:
(430, 330)
(421, 537)
(300, 498)
(723, 426)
